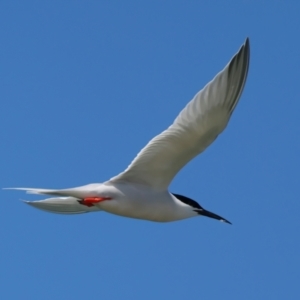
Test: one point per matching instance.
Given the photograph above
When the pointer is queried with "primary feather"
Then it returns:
(195, 128)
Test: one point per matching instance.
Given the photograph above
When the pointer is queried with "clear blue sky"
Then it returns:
(85, 85)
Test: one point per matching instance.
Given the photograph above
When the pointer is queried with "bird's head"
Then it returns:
(196, 207)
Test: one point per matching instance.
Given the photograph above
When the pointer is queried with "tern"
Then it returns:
(141, 191)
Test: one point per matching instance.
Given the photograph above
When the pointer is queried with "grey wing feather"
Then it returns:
(195, 128)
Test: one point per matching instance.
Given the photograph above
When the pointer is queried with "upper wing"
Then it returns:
(196, 127)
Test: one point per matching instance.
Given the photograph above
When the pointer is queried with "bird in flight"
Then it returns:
(141, 191)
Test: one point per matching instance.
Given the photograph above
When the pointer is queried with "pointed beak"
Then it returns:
(209, 214)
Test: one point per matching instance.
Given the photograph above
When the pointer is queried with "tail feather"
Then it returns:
(77, 192)
(39, 191)
(63, 205)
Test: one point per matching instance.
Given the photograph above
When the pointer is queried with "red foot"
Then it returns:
(91, 200)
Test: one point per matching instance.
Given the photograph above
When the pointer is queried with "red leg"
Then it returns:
(89, 201)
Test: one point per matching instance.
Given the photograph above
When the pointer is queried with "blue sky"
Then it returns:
(85, 85)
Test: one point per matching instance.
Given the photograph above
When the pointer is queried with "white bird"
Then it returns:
(141, 191)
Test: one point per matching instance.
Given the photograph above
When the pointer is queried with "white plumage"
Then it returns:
(141, 191)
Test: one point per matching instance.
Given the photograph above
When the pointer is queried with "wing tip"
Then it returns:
(247, 42)
(239, 64)
(247, 48)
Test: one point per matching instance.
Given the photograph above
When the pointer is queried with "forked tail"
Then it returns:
(68, 201)
(63, 205)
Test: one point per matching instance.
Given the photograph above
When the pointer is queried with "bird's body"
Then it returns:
(128, 200)
(141, 202)
(141, 191)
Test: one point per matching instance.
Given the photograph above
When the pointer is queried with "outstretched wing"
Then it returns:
(195, 128)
